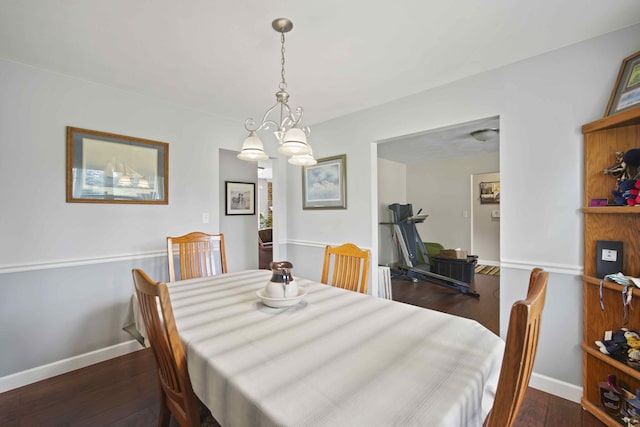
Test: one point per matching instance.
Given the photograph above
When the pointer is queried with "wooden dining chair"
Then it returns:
(200, 255)
(519, 353)
(176, 394)
(349, 269)
(532, 278)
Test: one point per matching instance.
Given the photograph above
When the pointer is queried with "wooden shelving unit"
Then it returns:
(602, 138)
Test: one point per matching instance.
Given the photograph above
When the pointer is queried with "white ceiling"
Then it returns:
(437, 144)
(223, 57)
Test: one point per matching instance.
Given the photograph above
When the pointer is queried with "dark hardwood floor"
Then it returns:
(539, 409)
(124, 391)
(486, 309)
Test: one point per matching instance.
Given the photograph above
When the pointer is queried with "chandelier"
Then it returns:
(287, 127)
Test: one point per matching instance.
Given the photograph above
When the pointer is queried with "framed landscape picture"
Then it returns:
(324, 185)
(240, 198)
(109, 168)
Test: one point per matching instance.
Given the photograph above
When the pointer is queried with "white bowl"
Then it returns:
(281, 302)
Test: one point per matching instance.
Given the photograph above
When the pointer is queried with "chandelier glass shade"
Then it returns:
(252, 149)
(286, 126)
(303, 159)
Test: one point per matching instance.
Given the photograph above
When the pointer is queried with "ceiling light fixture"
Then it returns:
(484, 135)
(291, 135)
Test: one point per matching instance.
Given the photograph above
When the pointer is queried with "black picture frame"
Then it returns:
(240, 198)
(609, 257)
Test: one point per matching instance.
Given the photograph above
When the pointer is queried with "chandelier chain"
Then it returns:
(283, 83)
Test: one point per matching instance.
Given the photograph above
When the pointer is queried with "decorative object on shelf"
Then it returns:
(617, 344)
(623, 345)
(633, 407)
(109, 168)
(627, 193)
(484, 135)
(489, 192)
(633, 342)
(609, 257)
(611, 395)
(626, 169)
(599, 202)
(619, 168)
(240, 198)
(324, 185)
(288, 129)
(626, 92)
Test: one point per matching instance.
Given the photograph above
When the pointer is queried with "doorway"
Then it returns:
(432, 170)
(485, 217)
(265, 213)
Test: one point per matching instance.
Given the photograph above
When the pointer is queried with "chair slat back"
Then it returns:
(200, 255)
(520, 352)
(350, 267)
(177, 392)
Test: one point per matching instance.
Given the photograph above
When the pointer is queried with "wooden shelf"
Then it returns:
(612, 209)
(624, 118)
(595, 352)
(608, 285)
(600, 413)
(603, 309)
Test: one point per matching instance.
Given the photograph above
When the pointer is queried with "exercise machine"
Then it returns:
(411, 249)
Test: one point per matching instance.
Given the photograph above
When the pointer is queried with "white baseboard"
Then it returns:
(43, 372)
(556, 387)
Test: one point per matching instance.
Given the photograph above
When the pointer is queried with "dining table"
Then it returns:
(336, 358)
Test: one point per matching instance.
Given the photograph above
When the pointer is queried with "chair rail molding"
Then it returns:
(313, 244)
(47, 265)
(573, 270)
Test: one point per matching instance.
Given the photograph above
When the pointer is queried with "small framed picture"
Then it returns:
(324, 185)
(240, 198)
(626, 92)
(489, 192)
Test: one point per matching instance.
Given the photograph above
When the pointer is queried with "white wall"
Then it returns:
(542, 103)
(441, 189)
(392, 188)
(65, 268)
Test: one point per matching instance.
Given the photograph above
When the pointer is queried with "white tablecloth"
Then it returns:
(338, 358)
